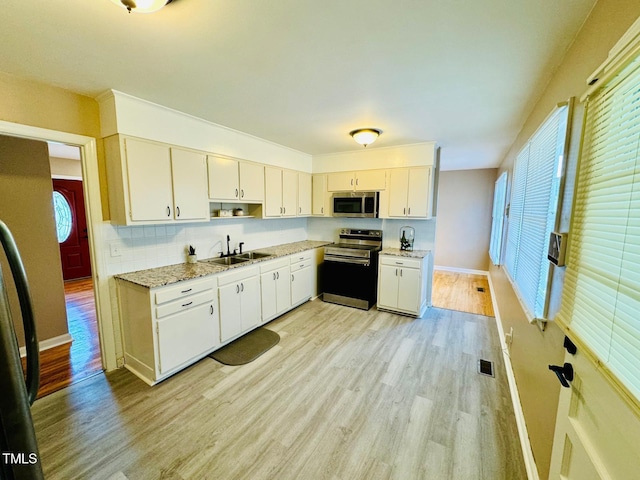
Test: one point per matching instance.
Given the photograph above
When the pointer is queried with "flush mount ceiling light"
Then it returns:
(365, 136)
(142, 6)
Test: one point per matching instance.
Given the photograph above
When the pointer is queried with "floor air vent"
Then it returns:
(485, 367)
(480, 289)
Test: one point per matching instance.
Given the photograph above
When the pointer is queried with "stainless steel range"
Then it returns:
(351, 268)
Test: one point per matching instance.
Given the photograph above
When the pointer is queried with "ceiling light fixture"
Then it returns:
(365, 136)
(142, 6)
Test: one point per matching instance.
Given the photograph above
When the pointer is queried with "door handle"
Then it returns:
(564, 373)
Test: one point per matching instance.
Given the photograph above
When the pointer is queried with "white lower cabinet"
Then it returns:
(167, 328)
(302, 273)
(275, 288)
(404, 284)
(239, 295)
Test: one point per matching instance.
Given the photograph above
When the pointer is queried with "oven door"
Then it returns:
(350, 282)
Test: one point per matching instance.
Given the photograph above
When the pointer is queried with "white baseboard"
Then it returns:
(50, 343)
(461, 270)
(523, 433)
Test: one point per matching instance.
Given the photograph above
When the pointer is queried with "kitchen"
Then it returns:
(79, 114)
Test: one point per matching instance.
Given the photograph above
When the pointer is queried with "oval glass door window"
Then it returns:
(64, 219)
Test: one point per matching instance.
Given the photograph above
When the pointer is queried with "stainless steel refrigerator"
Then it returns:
(19, 456)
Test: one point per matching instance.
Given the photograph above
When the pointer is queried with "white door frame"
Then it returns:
(93, 207)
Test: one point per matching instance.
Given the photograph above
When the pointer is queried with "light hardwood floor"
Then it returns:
(346, 394)
(459, 291)
(66, 364)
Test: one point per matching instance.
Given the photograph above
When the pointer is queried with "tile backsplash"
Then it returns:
(128, 249)
(137, 248)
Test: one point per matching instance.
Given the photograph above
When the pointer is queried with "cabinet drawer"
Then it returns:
(300, 265)
(183, 289)
(185, 303)
(400, 261)
(305, 256)
(273, 264)
(237, 275)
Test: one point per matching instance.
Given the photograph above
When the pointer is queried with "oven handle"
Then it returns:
(356, 261)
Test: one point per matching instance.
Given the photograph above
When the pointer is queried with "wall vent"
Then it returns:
(485, 367)
(480, 289)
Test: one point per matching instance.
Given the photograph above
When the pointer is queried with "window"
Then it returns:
(532, 213)
(63, 216)
(499, 199)
(601, 296)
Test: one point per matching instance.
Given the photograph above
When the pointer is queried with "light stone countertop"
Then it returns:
(405, 253)
(160, 276)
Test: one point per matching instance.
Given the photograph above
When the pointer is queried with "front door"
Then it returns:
(72, 228)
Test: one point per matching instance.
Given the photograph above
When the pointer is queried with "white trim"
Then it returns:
(93, 210)
(461, 270)
(65, 177)
(523, 433)
(49, 343)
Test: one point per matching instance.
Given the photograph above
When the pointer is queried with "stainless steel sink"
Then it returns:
(252, 255)
(226, 260)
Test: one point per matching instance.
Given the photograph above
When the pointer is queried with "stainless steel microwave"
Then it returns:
(356, 204)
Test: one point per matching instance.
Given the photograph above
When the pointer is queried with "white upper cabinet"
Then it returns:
(365, 180)
(321, 200)
(231, 180)
(151, 182)
(410, 192)
(189, 185)
(281, 192)
(304, 194)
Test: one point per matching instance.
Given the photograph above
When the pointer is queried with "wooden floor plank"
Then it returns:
(459, 291)
(346, 394)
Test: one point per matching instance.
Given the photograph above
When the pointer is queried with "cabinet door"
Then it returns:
(398, 184)
(388, 286)
(283, 288)
(250, 303)
(189, 173)
(319, 205)
(301, 285)
(289, 193)
(149, 172)
(304, 194)
(419, 191)
(230, 316)
(251, 182)
(273, 192)
(409, 289)
(186, 335)
(223, 178)
(340, 182)
(368, 180)
(268, 294)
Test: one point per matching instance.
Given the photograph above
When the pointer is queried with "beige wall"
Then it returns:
(66, 167)
(465, 202)
(39, 105)
(533, 350)
(27, 209)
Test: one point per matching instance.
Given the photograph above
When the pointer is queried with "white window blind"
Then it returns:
(601, 296)
(532, 212)
(499, 199)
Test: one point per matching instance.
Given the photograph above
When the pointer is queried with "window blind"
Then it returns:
(497, 221)
(532, 214)
(601, 296)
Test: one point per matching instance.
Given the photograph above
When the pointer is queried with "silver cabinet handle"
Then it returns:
(292, 277)
(357, 181)
(409, 211)
(404, 211)
(400, 272)
(187, 290)
(177, 210)
(211, 309)
(274, 275)
(242, 287)
(396, 272)
(321, 209)
(300, 209)
(236, 192)
(278, 275)
(168, 211)
(186, 304)
(242, 190)
(237, 288)
(352, 182)
(284, 209)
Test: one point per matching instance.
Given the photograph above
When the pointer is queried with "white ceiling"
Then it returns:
(302, 73)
